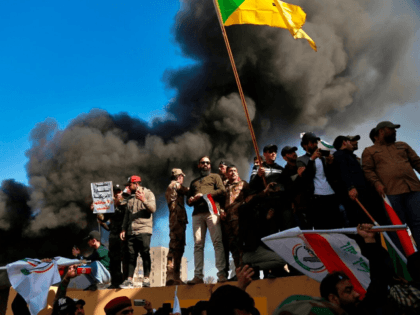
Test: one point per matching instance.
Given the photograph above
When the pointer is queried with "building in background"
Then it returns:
(158, 256)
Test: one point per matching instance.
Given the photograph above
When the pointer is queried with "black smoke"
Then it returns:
(362, 67)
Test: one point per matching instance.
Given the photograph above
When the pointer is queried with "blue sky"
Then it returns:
(60, 59)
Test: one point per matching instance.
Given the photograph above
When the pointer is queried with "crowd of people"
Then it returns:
(318, 190)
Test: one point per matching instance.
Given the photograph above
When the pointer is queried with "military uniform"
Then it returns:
(177, 225)
(235, 196)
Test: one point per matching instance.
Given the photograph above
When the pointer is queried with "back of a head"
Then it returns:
(413, 266)
(200, 307)
(227, 298)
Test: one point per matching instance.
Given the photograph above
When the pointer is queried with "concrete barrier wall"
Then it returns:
(266, 293)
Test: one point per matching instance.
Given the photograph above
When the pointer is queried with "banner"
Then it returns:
(103, 197)
(317, 254)
(32, 279)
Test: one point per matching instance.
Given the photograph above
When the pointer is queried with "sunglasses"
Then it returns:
(205, 162)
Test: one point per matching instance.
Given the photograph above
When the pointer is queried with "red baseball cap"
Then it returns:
(134, 179)
(117, 304)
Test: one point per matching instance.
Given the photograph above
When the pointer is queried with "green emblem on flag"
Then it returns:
(26, 272)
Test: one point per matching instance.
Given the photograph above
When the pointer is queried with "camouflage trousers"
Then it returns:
(176, 249)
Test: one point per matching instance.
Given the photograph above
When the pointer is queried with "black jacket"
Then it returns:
(349, 172)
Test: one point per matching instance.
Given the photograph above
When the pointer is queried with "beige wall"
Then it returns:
(266, 293)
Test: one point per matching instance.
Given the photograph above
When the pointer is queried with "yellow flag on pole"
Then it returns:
(273, 13)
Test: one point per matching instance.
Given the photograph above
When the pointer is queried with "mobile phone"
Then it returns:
(139, 302)
(325, 152)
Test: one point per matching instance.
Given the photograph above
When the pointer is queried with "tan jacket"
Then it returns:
(138, 217)
(392, 166)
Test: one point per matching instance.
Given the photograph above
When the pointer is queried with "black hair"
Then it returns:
(329, 283)
(204, 156)
(227, 298)
(199, 307)
(230, 166)
(373, 134)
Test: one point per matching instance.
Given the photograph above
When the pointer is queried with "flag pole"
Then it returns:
(238, 83)
(386, 236)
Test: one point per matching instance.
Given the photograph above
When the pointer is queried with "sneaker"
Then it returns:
(221, 279)
(196, 280)
(146, 283)
(127, 284)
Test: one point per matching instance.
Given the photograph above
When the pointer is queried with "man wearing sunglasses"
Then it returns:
(204, 195)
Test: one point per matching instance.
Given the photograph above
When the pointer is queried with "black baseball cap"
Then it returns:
(64, 304)
(93, 235)
(309, 136)
(116, 188)
(384, 124)
(353, 138)
(338, 142)
(288, 149)
(270, 147)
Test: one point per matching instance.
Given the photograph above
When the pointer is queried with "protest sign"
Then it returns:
(103, 197)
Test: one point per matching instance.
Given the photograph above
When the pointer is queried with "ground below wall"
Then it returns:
(266, 293)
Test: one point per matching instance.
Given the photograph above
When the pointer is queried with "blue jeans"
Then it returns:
(99, 273)
(407, 207)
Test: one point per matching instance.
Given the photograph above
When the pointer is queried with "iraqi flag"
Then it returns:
(32, 278)
(403, 236)
(211, 204)
(317, 253)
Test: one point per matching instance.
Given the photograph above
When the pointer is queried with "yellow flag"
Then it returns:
(273, 13)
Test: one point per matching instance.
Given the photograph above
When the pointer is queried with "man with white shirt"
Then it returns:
(324, 211)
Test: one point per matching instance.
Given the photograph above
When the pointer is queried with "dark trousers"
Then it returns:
(324, 212)
(139, 244)
(116, 254)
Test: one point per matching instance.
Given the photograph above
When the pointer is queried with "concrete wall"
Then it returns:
(266, 293)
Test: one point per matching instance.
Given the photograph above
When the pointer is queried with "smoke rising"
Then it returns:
(363, 66)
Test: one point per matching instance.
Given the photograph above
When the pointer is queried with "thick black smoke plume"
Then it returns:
(362, 66)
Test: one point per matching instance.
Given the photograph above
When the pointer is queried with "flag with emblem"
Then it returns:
(32, 278)
(273, 13)
(317, 253)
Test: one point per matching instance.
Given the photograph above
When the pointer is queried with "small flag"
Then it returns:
(403, 236)
(317, 254)
(210, 204)
(273, 13)
(177, 308)
(32, 278)
(323, 145)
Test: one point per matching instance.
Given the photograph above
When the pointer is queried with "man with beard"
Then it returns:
(354, 141)
(204, 195)
(338, 289)
(236, 192)
(278, 204)
(296, 174)
(319, 178)
(117, 249)
(351, 183)
(177, 225)
(388, 166)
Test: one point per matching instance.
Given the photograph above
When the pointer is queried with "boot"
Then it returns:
(170, 272)
(177, 279)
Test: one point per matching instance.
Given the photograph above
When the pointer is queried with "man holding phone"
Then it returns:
(324, 212)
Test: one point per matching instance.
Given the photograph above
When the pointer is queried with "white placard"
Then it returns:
(103, 197)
